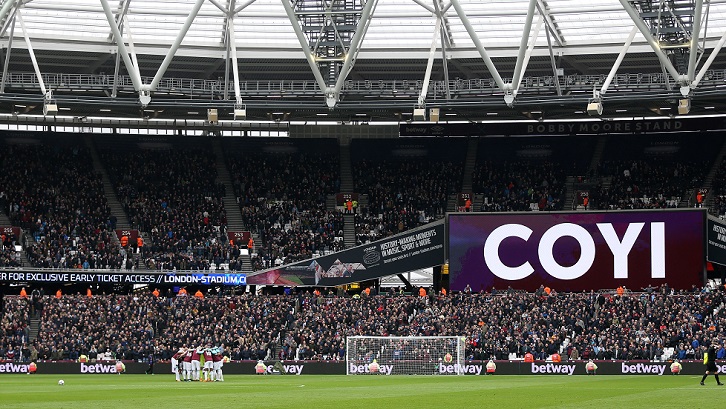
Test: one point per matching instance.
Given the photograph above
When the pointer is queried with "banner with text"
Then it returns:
(160, 278)
(564, 128)
(130, 234)
(412, 250)
(576, 251)
(339, 368)
(10, 232)
(241, 238)
(716, 240)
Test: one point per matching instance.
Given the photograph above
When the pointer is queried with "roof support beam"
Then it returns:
(123, 9)
(133, 71)
(175, 45)
(528, 54)
(219, 6)
(5, 9)
(352, 54)
(225, 40)
(551, 26)
(7, 53)
(482, 51)
(618, 61)
(709, 61)
(226, 63)
(19, 16)
(132, 48)
(430, 64)
(645, 31)
(11, 18)
(695, 33)
(526, 32)
(426, 6)
(447, 40)
(444, 44)
(244, 6)
(233, 53)
(119, 21)
(553, 63)
(305, 47)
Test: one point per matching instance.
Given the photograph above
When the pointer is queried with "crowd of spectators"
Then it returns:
(604, 325)
(719, 191)
(519, 186)
(646, 184)
(14, 328)
(402, 194)
(173, 195)
(9, 256)
(283, 199)
(53, 193)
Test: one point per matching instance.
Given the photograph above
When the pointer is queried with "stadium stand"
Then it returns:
(719, 191)
(58, 199)
(170, 193)
(600, 325)
(647, 172)
(282, 189)
(407, 183)
(525, 174)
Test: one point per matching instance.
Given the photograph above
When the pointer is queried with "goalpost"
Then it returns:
(366, 355)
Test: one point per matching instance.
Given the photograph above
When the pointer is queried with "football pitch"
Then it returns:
(311, 391)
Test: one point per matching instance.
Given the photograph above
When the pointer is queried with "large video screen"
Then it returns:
(578, 251)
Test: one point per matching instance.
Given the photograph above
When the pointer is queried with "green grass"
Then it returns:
(339, 392)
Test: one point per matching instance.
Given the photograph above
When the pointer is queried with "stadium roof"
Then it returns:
(367, 60)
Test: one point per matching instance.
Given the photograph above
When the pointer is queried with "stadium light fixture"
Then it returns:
(240, 112)
(684, 106)
(212, 115)
(419, 113)
(50, 108)
(594, 105)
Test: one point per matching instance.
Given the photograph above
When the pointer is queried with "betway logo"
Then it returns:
(553, 369)
(13, 368)
(291, 369)
(384, 369)
(98, 368)
(643, 369)
(456, 369)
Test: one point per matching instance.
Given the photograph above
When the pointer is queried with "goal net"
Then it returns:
(404, 355)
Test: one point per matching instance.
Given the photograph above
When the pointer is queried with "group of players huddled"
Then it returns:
(186, 364)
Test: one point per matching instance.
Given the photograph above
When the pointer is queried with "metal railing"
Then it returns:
(195, 88)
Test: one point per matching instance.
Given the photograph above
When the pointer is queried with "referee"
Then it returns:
(710, 361)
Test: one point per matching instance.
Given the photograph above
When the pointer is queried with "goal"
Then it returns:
(405, 355)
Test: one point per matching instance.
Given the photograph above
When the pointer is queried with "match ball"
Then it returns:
(448, 358)
(61, 382)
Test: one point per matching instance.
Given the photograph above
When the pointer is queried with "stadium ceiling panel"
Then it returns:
(367, 60)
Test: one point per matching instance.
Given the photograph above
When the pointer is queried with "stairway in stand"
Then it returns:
(234, 214)
(4, 220)
(34, 329)
(114, 205)
(470, 165)
(346, 186)
(349, 230)
(117, 209)
(346, 167)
